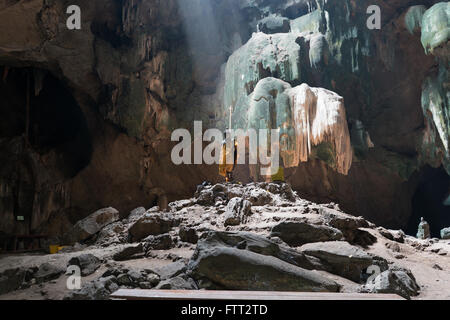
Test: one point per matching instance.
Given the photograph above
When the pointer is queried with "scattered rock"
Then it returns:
(150, 224)
(136, 214)
(92, 224)
(12, 279)
(47, 272)
(88, 263)
(363, 238)
(437, 267)
(396, 280)
(129, 252)
(178, 283)
(347, 224)
(206, 198)
(235, 192)
(153, 279)
(237, 211)
(188, 234)
(393, 246)
(398, 236)
(124, 280)
(298, 233)
(178, 205)
(99, 289)
(258, 197)
(160, 242)
(171, 270)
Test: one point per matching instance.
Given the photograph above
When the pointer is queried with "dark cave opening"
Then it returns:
(44, 141)
(39, 107)
(429, 202)
(58, 122)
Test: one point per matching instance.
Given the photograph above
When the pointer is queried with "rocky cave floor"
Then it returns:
(254, 237)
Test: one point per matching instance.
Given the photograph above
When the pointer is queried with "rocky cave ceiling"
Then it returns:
(102, 101)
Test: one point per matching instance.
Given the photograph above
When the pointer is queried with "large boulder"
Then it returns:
(259, 244)
(396, 280)
(150, 224)
(235, 269)
(347, 224)
(92, 224)
(237, 211)
(341, 258)
(296, 233)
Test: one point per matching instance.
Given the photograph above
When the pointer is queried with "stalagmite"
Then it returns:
(312, 122)
(320, 121)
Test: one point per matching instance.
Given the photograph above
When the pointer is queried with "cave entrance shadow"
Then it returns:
(44, 142)
(58, 123)
(428, 202)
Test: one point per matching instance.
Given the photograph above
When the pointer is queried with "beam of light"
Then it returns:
(200, 27)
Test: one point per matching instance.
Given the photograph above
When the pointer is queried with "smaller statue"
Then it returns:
(229, 151)
(423, 231)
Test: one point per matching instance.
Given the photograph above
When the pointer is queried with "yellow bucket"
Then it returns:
(55, 249)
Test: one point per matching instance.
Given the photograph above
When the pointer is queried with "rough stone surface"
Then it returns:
(188, 235)
(258, 244)
(340, 258)
(298, 233)
(88, 263)
(150, 225)
(96, 290)
(397, 280)
(92, 224)
(177, 283)
(128, 252)
(235, 269)
(171, 270)
(237, 211)
(12, 279)
(47, 272)
(159, 242)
